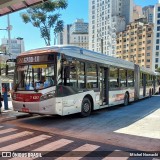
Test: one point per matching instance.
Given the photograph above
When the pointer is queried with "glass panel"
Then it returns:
(130, 78)
(91, 82)
(30, 77)
(91, 70)
(73, 74)
(92, 76)
(113, 79)
(141, 79)
(81, 76)
(122, 77)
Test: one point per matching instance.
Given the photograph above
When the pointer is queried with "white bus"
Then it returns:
(77, 81)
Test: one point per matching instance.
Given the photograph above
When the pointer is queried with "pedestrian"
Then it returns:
(1, 99)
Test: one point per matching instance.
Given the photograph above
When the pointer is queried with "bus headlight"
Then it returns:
(47, 96)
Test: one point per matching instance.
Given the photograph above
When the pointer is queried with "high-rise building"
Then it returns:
(135, 44)
(156, 43)
(137, 12)
(75, 34)
(148, 12)
(106, 17)
(16, 46)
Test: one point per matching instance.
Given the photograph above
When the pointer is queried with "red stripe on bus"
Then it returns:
(27, 97)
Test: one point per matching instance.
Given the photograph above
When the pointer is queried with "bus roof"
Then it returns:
(85, 54)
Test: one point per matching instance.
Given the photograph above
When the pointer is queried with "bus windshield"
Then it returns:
(34, 77)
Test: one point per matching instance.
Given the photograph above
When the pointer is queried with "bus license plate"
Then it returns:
(25, 110)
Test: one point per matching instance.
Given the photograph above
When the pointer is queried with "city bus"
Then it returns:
(77, 81)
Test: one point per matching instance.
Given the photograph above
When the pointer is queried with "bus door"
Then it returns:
(144, 84)
(104, 87)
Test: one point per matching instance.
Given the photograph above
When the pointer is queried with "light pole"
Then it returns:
(9, 34)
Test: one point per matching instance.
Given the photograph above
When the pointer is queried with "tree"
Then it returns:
(158, 69)
(46, 16)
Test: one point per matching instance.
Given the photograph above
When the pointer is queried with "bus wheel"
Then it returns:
(86, 107)
(126, 99)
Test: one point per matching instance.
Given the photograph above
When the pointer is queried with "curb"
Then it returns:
(7, 119)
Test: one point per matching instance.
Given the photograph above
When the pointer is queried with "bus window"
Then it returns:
(81, 74)
(123, 77)
(113, 79)
(28, 76)
(141, 79)
(69, 73)
(73, 74)
(92, 76)
(130, 78)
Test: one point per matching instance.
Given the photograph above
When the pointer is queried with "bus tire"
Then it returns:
(126, 99)
(85, 107)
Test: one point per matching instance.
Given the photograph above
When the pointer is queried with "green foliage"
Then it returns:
(158, 69)
(46, 16)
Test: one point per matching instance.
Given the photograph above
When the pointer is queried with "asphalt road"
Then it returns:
(17, 143)
(136, 126)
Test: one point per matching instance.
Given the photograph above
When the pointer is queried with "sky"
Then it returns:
(31, 35)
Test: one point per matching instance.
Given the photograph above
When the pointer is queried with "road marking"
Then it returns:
(13, 136)
(1, 126)
(7, 130)
(54, 145)
(24, 143)
(48, 147)
(117, 155)
(86, 149)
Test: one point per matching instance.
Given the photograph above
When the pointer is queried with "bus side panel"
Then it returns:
(51, 106)
(117, 97)
(72, 104)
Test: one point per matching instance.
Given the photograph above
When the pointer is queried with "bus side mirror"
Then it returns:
(6, 69)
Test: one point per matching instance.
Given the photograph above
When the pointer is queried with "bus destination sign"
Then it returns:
(33, 59)
(30, 59)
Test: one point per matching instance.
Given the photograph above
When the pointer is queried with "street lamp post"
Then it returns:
(9, 34)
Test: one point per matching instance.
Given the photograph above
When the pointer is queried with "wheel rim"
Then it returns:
(86, 107)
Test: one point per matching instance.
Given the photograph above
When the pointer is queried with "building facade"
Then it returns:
(107, 17)
(137, 12)
(136, 44)
(16, 46)
(148, 12)
(75, 34)
(156, 44)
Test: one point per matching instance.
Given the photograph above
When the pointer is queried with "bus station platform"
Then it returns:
(7, 115)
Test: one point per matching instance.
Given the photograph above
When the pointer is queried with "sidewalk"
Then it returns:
(9, 114)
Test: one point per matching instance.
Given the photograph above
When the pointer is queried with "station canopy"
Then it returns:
(9, 6)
